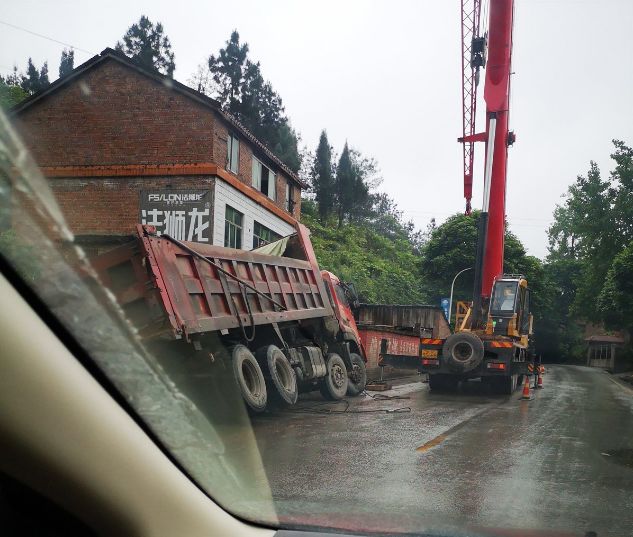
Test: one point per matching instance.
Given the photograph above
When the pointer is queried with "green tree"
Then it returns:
(383, 270)
(323, 177)
(345, 182)
(35, 79)
(228, 71)
(615, 301)
(451, 248)
(67, 62)
(11, 93)
(238, 84)
(147, 44)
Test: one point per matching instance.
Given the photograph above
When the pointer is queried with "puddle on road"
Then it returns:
(623, 457)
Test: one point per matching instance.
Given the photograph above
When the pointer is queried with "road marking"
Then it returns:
(448, 432)
(621, 385)
(432, 443)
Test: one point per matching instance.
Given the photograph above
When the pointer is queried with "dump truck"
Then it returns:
(288, 325)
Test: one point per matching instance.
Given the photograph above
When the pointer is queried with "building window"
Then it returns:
(263, 179)
(290, 202)
(233, 228)
(262, 235)
(233, 153)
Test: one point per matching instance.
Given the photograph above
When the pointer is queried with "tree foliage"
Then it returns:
(589, 264)
(66, 62)
(615, 301)
(238, 84)
(450, 248)
(323, 177)
(383, 270)
(146, 43)
(11, 92)
(35, 79)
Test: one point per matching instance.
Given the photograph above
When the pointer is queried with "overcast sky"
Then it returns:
(385, 76)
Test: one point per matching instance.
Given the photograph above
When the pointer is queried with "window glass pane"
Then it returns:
(232, 228)
(235, 156)
(257, 174)
(504, 294)
(262, 235)
(271, 185)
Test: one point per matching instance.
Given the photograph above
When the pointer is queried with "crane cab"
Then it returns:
(509, 309)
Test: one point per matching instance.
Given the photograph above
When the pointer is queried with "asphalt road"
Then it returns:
(562, 461)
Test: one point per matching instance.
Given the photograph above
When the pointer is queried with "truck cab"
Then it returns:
(343, 297)
(509, 311)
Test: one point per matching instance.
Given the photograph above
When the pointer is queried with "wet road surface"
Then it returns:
(560, 462)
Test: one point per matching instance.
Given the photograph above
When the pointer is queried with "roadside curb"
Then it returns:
(622, 383)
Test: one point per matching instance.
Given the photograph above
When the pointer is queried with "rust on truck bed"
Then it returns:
(182, 289)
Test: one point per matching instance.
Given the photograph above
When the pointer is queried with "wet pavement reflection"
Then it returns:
(560, 462)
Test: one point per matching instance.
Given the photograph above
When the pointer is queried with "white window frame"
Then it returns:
(233, 153)
(233, 228)
(258, 166)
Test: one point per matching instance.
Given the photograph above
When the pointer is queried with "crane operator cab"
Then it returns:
(509, 313)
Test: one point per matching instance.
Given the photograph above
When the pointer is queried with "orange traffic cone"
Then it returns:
(526, 388)
(539, 382)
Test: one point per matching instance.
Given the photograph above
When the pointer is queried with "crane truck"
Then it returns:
(493, 341)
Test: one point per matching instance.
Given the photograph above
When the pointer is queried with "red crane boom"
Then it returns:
(494, 52)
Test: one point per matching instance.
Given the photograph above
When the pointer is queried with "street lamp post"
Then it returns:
(450, 301)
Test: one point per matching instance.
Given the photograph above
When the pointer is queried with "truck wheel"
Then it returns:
(505, 385)
(250, 378)
(334, 384)
(283, 379)
(463, 351)
(357, 376)
(443, 383)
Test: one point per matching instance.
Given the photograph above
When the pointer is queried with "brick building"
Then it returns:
(121, 145)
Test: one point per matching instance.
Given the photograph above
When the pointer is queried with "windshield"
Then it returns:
(155, 168)
(504, 296)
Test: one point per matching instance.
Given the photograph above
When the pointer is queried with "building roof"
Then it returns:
(120, 57)
(600, 338)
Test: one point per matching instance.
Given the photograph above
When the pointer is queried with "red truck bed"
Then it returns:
(181, 289)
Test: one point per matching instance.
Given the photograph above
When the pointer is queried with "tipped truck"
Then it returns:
(288, 327)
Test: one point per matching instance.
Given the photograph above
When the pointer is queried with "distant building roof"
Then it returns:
(170, 83)
(599, 338)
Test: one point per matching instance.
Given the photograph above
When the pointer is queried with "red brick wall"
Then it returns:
(245, 170)
(115, 115)
(110, 206)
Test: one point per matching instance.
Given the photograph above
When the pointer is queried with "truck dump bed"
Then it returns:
(180, 289)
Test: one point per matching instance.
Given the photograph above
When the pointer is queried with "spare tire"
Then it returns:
(463, 351)
(250, 378)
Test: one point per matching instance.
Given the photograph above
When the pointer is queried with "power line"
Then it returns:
(46, 37)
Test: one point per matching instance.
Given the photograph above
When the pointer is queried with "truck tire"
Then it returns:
(282, 378)
(506, 385)
(250, 378)
(357, 376)
(443, 383)
(334, 384)
(463, 351)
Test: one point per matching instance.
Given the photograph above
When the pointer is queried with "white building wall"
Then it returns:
(225, 195)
